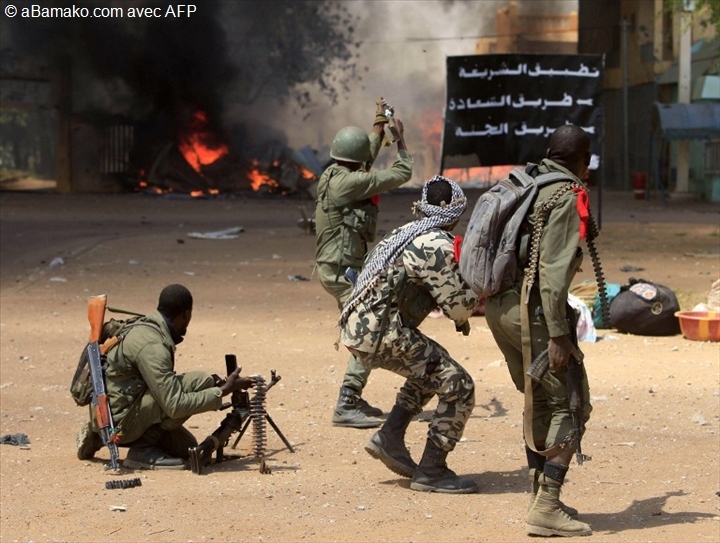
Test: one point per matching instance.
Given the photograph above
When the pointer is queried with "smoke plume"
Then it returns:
(157, 71)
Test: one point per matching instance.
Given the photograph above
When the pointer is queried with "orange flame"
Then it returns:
(258, 179)
(144, 185)
(307, 174)
(199, 147)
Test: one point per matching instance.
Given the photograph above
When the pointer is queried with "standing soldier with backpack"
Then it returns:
(556, 260)
(345, 221)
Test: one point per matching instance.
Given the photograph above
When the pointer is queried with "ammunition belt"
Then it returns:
(542, 214)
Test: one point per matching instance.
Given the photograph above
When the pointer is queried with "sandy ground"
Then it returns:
(654, 434)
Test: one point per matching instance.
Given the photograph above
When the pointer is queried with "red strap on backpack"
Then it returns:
(457, 243)
(583, 209)
(375, 200)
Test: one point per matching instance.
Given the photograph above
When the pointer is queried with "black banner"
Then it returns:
(501, 109)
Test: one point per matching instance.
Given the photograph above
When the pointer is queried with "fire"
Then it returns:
(258, 179)
(307, 174)
(200, 146)
(204, 193)
(484, 175)
(144, 185)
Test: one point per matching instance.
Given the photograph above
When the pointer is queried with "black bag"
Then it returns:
(644, 308)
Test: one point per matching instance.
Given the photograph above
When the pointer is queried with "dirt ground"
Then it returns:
(653, 436)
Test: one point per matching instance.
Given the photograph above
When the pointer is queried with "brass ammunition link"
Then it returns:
(258, 416)
(542, 215)
(592, 234)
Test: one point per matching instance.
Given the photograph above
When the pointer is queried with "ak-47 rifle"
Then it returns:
(539, 366)
(100, 403)
(574, 377)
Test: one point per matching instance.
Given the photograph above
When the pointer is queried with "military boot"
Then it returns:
(348, 414)
(388, 443)
(144, 453)
(535, 486)
(433, 475)
(546, 517)
(368, 409)
(87, 442)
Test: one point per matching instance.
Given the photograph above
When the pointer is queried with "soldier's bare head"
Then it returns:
(570, 147)
(174, 299)
(439, 192)
(175, 303)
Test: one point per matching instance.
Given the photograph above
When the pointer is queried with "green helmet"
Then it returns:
(351, 144)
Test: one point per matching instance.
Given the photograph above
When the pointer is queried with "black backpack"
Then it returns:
(644, 308)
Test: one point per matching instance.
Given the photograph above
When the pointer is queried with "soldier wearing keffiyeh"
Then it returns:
(410, 272)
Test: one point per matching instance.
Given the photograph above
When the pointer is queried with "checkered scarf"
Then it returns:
(432, 217)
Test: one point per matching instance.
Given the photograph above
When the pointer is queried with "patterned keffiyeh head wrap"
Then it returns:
(432, 216)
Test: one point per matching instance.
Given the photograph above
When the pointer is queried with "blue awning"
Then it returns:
(688, 121)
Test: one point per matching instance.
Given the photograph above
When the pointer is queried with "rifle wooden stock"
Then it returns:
(102, 412)
(96, 316)
(108, 344)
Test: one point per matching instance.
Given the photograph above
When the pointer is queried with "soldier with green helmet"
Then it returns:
(345, 221)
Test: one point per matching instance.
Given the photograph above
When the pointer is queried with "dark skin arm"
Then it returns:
(560, 349)
(234, 382)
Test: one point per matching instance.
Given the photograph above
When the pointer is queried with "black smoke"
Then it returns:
(130, 66)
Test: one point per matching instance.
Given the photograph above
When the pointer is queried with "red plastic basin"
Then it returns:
(700, 325)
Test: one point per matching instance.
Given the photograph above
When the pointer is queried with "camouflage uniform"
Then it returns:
(345, 221)
(560, 259)
(144, 390)
(428, 261)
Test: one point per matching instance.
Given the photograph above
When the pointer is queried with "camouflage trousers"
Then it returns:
(429, 371)
(356, 376)
(552, 419)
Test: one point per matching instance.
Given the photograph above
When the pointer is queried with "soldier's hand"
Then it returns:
(234, 382)
(380, 117)
(560, 349)
(246, 382)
